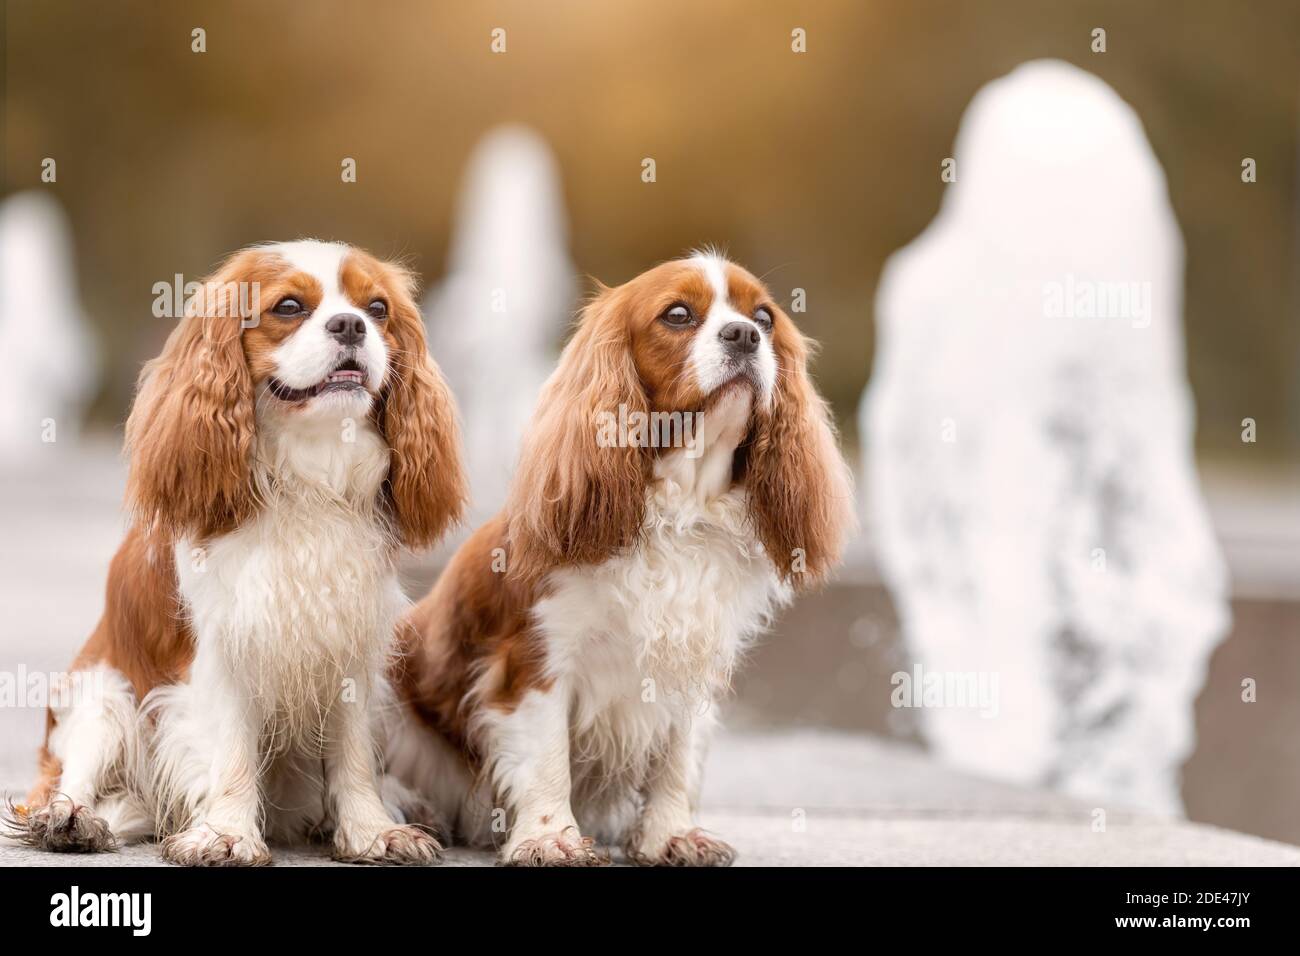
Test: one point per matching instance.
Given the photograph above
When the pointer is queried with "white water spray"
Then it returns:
(51, 355)
(1028, 448)
(496, 321)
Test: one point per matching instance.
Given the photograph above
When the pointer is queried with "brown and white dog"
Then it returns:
(279, 458)
(560, 681)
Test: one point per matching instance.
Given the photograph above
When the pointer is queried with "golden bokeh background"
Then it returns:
(809, 168)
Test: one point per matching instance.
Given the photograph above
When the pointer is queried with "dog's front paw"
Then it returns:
(206, 846)
(61, 826)
(404, 845)
(565, 847)
(694, 847)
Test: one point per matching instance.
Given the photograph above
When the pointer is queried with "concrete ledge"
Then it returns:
(810, 798)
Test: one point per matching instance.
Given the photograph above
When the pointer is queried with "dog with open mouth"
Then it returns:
(280, 458)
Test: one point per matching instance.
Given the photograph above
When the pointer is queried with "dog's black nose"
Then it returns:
(740, 337)
(349, 329)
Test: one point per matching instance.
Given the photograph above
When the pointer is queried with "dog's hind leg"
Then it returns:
(91, 738)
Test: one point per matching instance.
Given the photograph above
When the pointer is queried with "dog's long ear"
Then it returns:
(800, 491)
(190, 432)
(427, 487)
(578, 494)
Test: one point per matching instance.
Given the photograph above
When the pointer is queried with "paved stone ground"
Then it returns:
(864, 802)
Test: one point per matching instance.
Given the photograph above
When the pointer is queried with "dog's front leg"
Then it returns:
(528, 751)
(227, 831)
(665, 833)
(364, 832)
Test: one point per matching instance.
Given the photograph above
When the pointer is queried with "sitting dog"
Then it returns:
(283, 447)
(680, 481)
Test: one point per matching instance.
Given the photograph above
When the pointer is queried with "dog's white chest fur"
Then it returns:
(300, 600)
(669, 619)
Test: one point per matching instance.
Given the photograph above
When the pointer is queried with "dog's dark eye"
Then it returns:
(288, 307)
(678, 316)
(763, 316)
(378, 309)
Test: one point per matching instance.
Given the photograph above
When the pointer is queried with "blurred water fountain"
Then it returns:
(496, 320)
(1028, 449)
(51, 352)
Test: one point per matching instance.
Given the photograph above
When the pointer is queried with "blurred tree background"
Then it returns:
(808, 168)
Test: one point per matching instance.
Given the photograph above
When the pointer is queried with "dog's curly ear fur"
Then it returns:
(427, 486)
(800, 489)
(575, 500)
(190, 432)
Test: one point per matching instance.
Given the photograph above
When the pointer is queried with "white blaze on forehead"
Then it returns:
(323, 260)
(708, 355)
(714, 268)
(311, 353)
